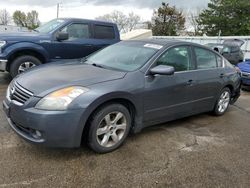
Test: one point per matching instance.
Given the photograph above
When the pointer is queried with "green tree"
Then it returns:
(225, 17)
(32, 20)
(19, 18)
(29, 20)
(167, 20)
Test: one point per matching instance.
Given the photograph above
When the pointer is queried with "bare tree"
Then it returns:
(125, 23)
(192, 17)
(132, 21)
(5, 17)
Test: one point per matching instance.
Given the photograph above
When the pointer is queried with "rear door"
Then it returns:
(104, 35)
(210, 74)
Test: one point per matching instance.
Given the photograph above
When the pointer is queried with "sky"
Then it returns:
(91, 9)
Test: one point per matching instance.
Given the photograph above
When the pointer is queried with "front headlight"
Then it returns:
(60, 99)
(2, 43)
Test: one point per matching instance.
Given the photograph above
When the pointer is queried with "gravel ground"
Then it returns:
(199, 151)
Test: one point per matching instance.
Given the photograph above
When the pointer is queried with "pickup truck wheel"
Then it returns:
(22, 64)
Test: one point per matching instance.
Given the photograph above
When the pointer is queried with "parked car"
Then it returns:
(124, 87)
(230, 49)
(64, 38)
(245, 73)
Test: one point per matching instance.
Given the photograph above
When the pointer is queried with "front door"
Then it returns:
(79, 44)
(169, 97)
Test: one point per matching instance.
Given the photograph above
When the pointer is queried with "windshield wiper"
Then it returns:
(36, 30)
(97, 65)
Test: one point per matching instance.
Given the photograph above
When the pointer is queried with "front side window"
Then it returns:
(50, 26)
(177, 57)
(205, 59)
(77, 31)
(226, 50)
(104, 32)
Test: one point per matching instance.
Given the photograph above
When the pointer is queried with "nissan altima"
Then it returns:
(120, 89)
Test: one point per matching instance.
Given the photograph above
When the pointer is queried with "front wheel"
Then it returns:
(23, 63)
(109, 127)
(223, 102)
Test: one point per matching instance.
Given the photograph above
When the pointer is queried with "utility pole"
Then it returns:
(58, 9)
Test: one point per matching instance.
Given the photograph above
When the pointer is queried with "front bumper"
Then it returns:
(47, 128)
(3, 64)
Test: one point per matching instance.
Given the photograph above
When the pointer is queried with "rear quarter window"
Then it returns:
(219, 61)
(104, 32)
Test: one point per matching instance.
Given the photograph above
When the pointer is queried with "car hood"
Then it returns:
(233, 42)
(244, 66)
(22, 36)
(45, 79)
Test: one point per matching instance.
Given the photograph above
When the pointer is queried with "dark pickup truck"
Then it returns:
(64, 38)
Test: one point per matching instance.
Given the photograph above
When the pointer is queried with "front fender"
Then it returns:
(90, 104)
(18, 47)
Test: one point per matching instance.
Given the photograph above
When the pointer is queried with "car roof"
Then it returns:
(87, 20)
(166, 42)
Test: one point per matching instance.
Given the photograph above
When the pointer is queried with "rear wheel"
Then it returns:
(23, 63)
(222, 102)
(109, 127)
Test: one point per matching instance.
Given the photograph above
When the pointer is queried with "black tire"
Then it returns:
(217, 110)
(14, 67)
(98, 118)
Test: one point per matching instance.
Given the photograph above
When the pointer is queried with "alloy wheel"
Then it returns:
(223, 101)
(111, 129)
(24, 66)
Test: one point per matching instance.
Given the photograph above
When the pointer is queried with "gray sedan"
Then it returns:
(120, 89)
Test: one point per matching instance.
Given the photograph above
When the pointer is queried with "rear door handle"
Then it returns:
(190, 82)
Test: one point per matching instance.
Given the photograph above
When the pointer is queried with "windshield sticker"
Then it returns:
(155, 46)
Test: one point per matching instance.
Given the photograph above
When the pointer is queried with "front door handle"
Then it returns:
(222, 75)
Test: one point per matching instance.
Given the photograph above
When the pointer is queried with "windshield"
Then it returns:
(124, 56)
(50, 26)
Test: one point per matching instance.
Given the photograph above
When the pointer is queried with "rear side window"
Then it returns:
(104, 32)
(205, 59)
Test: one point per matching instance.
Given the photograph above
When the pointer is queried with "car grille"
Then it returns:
(19, 94)
(245, 74)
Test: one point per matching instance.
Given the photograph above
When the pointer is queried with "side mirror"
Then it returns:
(162, 70)
(62, 36)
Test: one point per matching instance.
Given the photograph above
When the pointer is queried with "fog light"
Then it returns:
(37, 134)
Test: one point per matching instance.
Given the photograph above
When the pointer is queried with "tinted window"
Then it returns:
(104, 32)
(235, 49)
(178, 57)
(205, 59)
(77, 31)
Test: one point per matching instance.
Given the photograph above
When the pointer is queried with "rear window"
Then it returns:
(104, 32)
